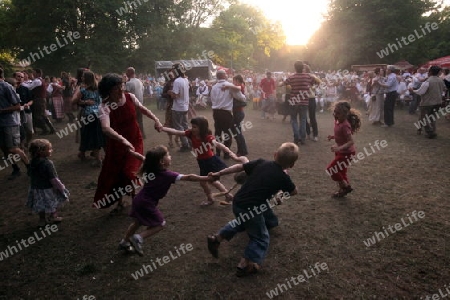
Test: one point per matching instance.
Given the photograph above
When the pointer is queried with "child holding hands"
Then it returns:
(158, 180)
(265, 179)
(202, 143)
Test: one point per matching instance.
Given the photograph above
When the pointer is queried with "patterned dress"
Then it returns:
(42, 196)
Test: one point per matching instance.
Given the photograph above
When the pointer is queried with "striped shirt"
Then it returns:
(301, 84)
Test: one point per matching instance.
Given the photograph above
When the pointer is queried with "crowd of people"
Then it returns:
(114, 106)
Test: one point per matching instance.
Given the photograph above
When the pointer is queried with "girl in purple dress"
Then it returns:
(144, 210)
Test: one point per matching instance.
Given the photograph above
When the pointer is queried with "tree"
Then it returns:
(245, 38)
(355, 31)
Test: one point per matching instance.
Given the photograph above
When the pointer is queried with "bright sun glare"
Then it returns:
(300, 19)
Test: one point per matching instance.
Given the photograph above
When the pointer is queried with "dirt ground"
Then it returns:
(410, 174)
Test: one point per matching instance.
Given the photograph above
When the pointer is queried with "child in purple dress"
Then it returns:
(144, 210)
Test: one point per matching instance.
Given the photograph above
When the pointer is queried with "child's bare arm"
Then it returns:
(225, 149)
(173, 131)
(233, 169)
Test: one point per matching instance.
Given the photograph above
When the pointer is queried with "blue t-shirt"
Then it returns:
(8, 98)
(265, 179)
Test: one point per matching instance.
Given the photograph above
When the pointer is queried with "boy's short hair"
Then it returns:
(287, 155)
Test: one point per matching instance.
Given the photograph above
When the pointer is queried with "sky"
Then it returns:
(300, 19)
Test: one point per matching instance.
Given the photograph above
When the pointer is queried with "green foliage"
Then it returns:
(245, 38)
(356, 30)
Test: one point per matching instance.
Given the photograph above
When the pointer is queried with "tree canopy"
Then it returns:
(111, 35)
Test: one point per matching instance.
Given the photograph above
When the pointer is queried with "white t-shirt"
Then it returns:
(181, 88)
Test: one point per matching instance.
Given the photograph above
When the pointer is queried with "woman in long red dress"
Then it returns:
(117, 115)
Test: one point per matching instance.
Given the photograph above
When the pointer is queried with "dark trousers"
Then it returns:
(40, 119)
(238, 117)
(312, 118)
(223, 124)
(389, 105)
(428, 115)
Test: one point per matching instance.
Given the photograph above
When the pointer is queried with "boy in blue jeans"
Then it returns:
(252, 205)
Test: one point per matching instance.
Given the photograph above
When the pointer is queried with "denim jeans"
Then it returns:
(180, 122)
(302, 112)
(414, 104)
(257, 228)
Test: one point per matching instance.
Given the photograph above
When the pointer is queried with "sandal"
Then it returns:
(207, 203)
(213, 245)
(343, 191)
(228, 200)
(170, 144)
(117, 209)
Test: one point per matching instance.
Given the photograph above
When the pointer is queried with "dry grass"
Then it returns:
(411, 173)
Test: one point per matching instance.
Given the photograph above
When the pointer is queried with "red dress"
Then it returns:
(119, 167)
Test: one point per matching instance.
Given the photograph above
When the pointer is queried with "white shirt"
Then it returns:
(31, 85)
(202, 90)
(135, 86)
(181, 88)
(224, 99)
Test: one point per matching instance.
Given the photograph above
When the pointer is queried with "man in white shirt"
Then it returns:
(180, 94)
(222, 105)
(136, 87)
(38, 89)
(419, 77)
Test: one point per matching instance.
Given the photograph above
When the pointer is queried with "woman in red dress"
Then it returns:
(117, 115)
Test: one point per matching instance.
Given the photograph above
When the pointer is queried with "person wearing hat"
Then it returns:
(431, 92)
(391, 85)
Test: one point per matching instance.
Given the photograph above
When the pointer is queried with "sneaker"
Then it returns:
(384, 126)
(321, 110)
(137, 241)
(125, 246)
(54, 219)
(14, 174)
(316, 139)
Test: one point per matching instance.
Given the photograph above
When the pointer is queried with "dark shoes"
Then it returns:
(343, 191)
(250, 269)
(14, 175)
(213, 246)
